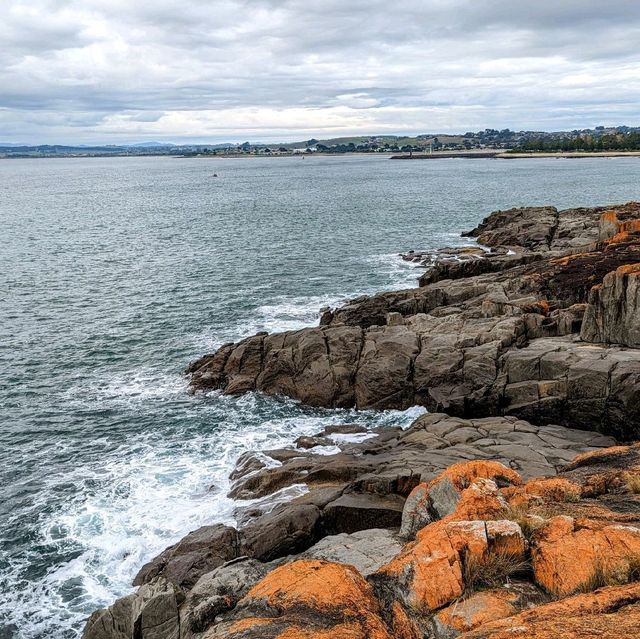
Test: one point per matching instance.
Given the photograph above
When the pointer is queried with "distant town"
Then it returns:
(599, 139)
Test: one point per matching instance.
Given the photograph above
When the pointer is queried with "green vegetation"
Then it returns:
(582, 142)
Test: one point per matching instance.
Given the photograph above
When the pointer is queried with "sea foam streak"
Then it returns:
(133, 506)
(145, 492)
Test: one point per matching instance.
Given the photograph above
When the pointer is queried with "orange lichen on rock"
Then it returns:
(429, 573)
(608, 613)
(630, 226)
(567, 259)
(553, 489)
(569, 556)
(601, 455)
(340, 631)
(613, 231)
(479, 608)
(315, 599)
(467, 490)
(609, 216)
(305, 582)
(627, 269)
(248, 624)
(505, 539)
(463, 474)
(481, 500)
(401, 624)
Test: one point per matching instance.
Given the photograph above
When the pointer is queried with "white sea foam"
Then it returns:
(399, 273)
(127, 387)
(141, 497)
(284, 313)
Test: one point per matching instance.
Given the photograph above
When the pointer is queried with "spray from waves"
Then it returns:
(138, 490)
(398, 273)
(133, 500)
(284, 313)
(125, 388)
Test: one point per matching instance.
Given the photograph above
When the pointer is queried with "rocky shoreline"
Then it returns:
(508, 510)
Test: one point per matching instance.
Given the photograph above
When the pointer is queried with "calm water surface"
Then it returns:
(115, 273)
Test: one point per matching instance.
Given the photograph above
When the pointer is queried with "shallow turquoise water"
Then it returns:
(115, 273)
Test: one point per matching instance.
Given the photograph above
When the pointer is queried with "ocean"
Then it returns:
(116, 272)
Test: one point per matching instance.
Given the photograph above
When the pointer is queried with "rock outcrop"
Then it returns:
(501, 337)
(487, 560)
(499, 514)
(470, 525)
(610, 613)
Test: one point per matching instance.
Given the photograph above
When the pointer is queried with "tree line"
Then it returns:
(606, 142)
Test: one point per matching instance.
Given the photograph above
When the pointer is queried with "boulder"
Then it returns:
(430, 573)
(150, 613)
(288, 529)
(218, 592)
(608, 555)
(609, 613)
(473, 611)
(311, 598)
(440, 497)
(196, 554)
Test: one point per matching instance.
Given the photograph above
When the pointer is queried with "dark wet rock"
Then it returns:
(343, 429)
(288, 529)
(311, 442)
(460, 341)
(442, 345)
(353, 511)
(199, 552)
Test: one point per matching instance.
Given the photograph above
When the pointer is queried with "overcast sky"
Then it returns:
(233, 70)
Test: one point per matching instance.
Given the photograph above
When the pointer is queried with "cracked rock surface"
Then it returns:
(547, 333)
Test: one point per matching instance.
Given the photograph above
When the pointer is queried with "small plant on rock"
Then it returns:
(626, 572)
(528, 523)
(633, 484)
(492, 571)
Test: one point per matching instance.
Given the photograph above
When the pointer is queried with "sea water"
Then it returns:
(115, 273)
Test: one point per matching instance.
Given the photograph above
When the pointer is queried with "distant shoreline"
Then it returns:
(503, 155)
(436, 155)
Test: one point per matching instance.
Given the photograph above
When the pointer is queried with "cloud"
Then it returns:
(116, 70)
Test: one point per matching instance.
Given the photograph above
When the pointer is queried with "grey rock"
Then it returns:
(416, 513)
(217, 592)
(150, 613)
(366, 550)
(444, 497)
(613, 313)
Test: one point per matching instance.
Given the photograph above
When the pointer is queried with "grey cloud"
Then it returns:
(92, 68)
